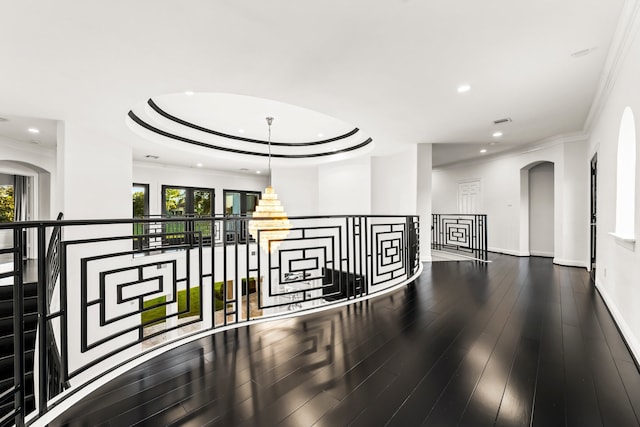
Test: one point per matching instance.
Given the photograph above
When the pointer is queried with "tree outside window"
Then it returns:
(7, 203)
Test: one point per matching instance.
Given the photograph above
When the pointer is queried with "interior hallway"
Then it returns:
(514, 342)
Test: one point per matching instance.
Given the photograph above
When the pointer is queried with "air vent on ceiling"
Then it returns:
(499, 121)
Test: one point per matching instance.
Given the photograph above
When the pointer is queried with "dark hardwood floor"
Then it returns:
(516, 342)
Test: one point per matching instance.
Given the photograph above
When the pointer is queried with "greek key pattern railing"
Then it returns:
(127, 287)
(463, 233)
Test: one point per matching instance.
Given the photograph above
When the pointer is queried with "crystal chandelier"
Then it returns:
(272, 225)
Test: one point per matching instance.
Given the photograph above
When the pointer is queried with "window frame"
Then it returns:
(189, 200)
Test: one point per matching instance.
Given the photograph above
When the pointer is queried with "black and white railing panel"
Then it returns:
(461, 233)
(127, 287)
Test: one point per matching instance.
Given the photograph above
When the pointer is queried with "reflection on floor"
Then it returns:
(437, 256)
(516, 342)
(255, 311)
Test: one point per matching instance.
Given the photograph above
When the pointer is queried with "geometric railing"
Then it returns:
(129, 286)
(461, 233)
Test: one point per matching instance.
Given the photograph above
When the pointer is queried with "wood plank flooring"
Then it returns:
(515, 342)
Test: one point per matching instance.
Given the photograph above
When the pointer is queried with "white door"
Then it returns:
(469, 197)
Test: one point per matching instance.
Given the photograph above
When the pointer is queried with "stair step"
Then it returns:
(6, 323)
(6, 342)
(6, 362)
(30, 305)
(6, 292)
(6, 383)
(29, 289)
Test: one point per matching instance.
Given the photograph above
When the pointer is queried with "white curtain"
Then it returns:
(20, 197)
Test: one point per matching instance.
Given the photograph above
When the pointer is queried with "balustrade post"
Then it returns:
(18, 329)
(42, 322)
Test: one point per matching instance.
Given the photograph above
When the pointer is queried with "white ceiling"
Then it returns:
(389, 67)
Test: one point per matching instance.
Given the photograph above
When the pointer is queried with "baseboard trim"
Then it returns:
(570, 262)
(542, 253)
(629, 338)
(508, 252)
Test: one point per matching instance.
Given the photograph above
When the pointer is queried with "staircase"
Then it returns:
(6, 347)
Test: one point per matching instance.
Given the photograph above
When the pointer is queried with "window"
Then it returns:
(626, 178)
(140, 199)
(242, 203)
(7, 203)
(140, 195)
(188, 202)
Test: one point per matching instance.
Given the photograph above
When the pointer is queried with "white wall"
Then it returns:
(297, 189)
(424, 198)
(344, 188)
(541, 234)
(96, 176)
(394, 183)
(505, 203)
(401, 185)
(617, 264)
(157, 176)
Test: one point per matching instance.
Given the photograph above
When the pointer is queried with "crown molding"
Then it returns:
(628, 25)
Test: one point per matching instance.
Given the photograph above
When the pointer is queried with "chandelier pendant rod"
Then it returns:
(269, 121)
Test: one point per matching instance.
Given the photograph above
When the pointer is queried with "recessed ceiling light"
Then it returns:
(464, 88)
(484, 150)
(241, 130)
(199, 165)
(189, 93)
(33, 130)
(497, 134)
(320, 135)
(258, 172)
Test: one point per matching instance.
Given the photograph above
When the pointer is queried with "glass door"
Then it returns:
(239, 203)
(190, 203)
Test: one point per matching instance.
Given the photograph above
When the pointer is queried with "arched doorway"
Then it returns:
(30, 190)
(537, 209)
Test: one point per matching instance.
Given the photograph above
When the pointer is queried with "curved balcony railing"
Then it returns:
(130, 287)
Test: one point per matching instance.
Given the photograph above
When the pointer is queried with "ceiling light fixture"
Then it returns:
(583, 52)
(272, 225)
(199, 165)
(484, 150)
(33, 130)
(258, 172)
(189, 93)
(241, 130)
(497, 134)
(464, 88)
(320, 135)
